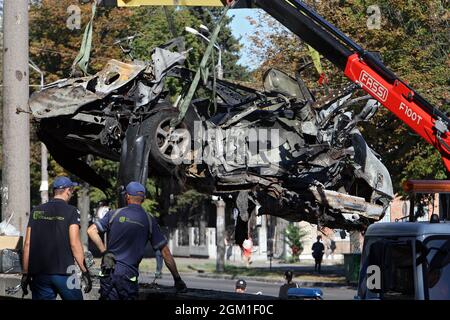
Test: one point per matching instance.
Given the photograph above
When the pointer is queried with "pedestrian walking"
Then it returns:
(247, 249)
(332, 248)
(317, 252)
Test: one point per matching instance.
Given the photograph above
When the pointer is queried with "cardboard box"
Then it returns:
(10, 242)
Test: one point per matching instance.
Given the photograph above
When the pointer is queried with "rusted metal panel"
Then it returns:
(58, 101)
(107, 82)
(347, 203)
(65, 97)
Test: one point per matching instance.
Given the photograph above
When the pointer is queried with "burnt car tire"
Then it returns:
(167, 149)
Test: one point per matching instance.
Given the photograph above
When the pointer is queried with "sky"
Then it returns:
(241, 28)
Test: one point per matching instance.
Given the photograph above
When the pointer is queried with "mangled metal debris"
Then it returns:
(281, 151)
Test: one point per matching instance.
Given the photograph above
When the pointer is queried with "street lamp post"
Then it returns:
(44, 152)
(219, 66)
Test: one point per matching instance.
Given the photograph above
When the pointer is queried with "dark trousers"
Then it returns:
(118, 287)
(318, 264)
(46, 287)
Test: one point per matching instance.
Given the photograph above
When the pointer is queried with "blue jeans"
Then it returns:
(159, 261)
(47, 286)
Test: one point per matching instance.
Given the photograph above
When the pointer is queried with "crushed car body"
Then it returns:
(279, 151)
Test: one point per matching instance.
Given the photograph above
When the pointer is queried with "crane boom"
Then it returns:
(366, 70)
(360, 66)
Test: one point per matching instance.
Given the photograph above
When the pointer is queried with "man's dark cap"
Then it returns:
(63, 183)
(241, 284)
(135, 189)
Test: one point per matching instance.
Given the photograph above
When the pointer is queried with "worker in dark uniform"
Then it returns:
(128, 230)
(52, 245)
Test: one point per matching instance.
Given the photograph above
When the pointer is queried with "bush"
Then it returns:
(294, 235)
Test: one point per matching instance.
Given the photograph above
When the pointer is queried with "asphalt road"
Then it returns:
(266, 288)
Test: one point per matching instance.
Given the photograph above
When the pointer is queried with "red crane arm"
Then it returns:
(366, 70)
(399, 99)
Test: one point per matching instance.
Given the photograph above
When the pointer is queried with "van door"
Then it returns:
(387, 270)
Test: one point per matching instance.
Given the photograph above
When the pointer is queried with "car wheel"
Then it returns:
(169, 147)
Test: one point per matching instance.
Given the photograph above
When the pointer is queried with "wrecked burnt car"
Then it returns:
(279, 151)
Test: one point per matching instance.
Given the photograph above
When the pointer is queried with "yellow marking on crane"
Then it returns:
(137, 3)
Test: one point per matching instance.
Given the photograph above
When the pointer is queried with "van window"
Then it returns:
(394, 258)
(437, 269)
(398, 272)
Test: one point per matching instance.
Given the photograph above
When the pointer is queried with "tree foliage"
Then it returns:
(190, 200)
(294, 236)
(54, 46)
(413, 41)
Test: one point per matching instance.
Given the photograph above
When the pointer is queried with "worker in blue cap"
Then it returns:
(129, 229)
(52, 246)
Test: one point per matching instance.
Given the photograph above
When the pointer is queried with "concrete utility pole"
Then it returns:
(220, 232)
(16, 127)
(44, 153)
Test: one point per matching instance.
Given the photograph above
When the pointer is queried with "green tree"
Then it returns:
(294, 236)
(190, 200)
(54, 46)
(230, 46)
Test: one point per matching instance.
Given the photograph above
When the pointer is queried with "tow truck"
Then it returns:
(409, 260)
